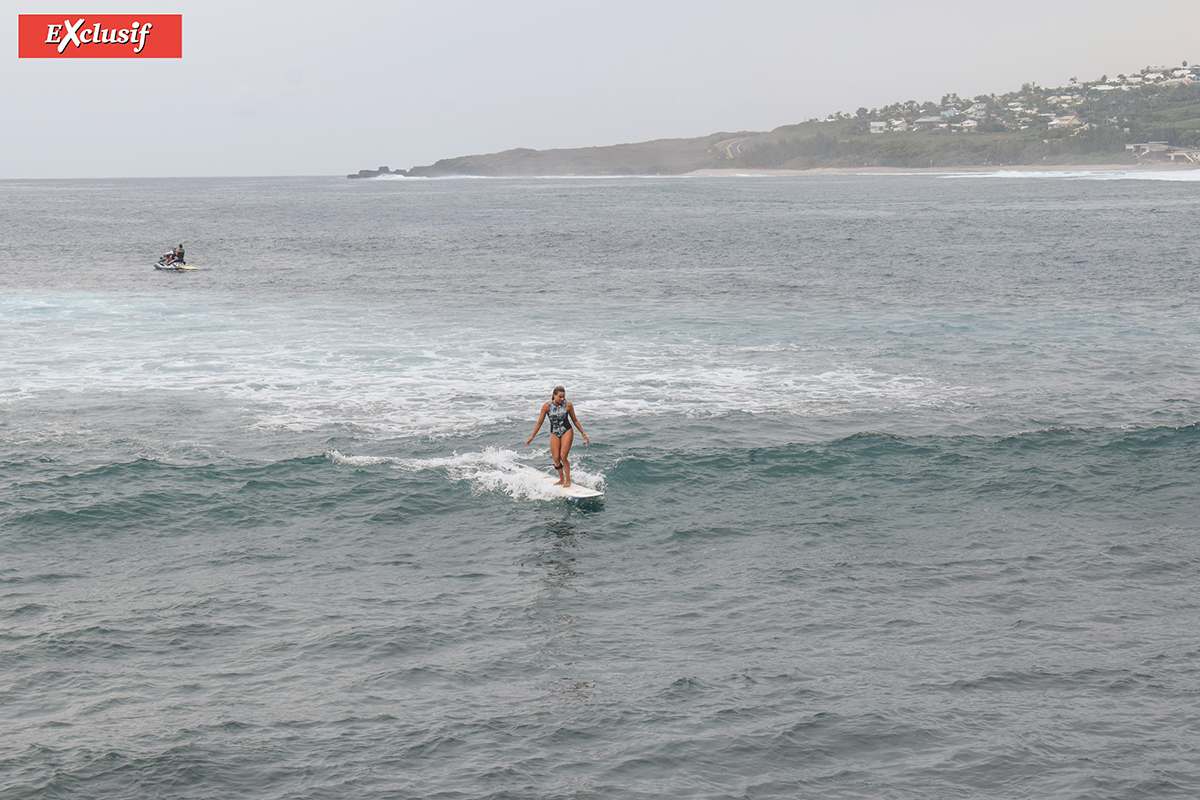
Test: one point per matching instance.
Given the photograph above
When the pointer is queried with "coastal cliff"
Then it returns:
(660, 157)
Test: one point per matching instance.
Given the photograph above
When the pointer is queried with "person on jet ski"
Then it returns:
(172, 257)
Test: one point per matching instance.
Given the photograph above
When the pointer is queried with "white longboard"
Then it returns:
(575, 491)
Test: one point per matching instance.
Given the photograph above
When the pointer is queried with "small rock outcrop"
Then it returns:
(375, 173)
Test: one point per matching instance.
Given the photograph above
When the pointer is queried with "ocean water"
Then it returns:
(900, 471)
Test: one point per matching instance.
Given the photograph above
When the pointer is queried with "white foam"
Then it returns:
(490, 469)
(361, 461)
(394, 177)
(1186, 176)
(1116, 174)
(389, 376)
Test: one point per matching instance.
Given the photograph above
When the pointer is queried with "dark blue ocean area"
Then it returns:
(901, 482)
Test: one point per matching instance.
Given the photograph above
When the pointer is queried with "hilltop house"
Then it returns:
(1066, 121)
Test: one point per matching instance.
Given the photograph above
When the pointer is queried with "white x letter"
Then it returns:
(71, 35)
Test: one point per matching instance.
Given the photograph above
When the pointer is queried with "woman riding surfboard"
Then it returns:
(561, 414)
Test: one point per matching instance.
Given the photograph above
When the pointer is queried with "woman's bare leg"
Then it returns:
(555, 449)
(564, 448)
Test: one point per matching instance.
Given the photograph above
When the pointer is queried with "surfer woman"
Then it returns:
(561, 414)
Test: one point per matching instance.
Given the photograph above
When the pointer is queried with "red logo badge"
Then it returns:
(100, 36)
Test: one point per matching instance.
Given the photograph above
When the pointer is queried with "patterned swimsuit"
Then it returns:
(560, 423)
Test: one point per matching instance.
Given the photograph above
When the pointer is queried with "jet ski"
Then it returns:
(168, 261)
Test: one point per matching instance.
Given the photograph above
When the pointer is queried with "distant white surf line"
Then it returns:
(393, 177)
(1184, 175)
(487, 470)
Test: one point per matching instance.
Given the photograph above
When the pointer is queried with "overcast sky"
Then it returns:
(305, 88)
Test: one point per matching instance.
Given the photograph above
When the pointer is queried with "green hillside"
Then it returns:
(1080, 123)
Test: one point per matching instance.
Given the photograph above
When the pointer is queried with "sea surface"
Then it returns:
(901, 475)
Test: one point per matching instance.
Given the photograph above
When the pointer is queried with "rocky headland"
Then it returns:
(1149, 117)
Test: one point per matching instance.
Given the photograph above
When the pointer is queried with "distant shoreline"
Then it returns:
(1161, 167)
(1026, 169)
(1093, 126)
